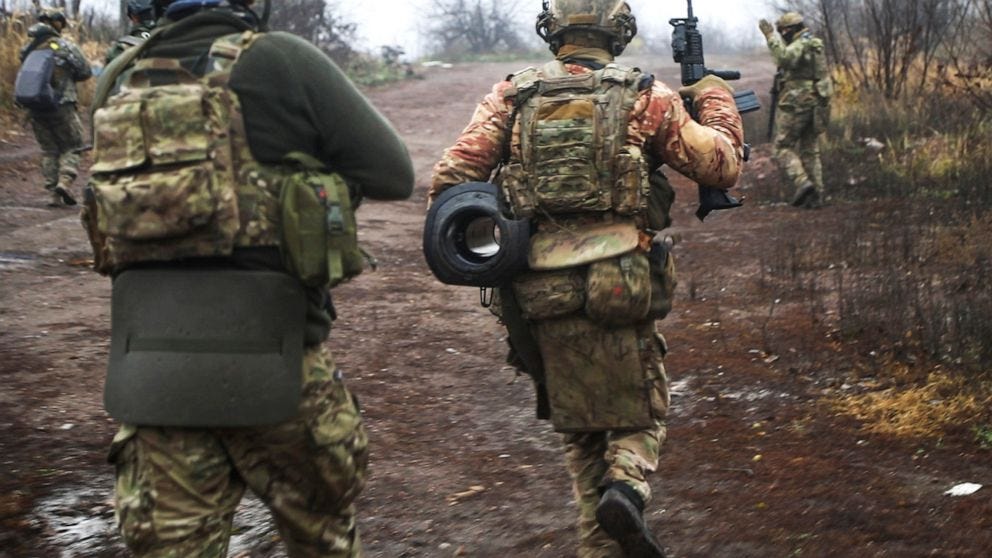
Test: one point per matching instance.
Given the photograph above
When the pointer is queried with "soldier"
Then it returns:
(141, 13)
(804, 87)
(572, 144)
(205, 181)
(59, 131)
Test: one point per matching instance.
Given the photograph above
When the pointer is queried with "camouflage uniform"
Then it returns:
(660, 126)
(177, 488)
(59, 133)
(802, 113)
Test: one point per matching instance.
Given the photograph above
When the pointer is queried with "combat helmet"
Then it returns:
(52, 15)
(789, 19)
(178, 9)
(611, 18)
(142, 10)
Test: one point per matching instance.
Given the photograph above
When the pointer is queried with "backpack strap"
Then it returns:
(525, 84)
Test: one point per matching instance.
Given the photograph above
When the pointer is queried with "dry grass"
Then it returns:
(942, 403)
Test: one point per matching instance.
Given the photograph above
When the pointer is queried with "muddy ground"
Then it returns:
(757, 463)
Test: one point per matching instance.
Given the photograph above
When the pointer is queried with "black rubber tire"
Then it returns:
(445, 249)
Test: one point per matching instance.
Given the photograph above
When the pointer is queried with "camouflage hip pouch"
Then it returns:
(618, 290)
(614, 292)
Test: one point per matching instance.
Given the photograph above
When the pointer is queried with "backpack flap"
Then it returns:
(119, 138)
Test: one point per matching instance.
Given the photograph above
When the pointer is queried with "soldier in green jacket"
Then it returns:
(141, 13)
(804, 88)
(231, 109)
(59, 132)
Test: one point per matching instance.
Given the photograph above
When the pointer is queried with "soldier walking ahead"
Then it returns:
(572, 144)
(52, 109)
(227, 165)
(803, 87)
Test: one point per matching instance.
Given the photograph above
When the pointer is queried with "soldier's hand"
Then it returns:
(766, 27)
(708, 82)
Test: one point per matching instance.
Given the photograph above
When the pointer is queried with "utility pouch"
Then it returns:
(319, 231)
(632, 189)
(205, 348)
(595, 377)
(513, 182)
(550, 294)
(618, 290)
(663, 280)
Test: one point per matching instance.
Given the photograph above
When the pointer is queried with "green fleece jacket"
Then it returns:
(293, 98)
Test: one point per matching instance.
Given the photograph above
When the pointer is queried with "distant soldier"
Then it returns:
(804, 87)
(141, 13)
(572, 143)
(46, 85)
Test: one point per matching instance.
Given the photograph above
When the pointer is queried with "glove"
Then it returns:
(766, 28)
(708, 82)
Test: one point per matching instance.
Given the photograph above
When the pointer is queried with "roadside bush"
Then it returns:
(900, 276)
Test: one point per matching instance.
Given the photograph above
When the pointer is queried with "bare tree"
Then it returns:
(320, 22)
(475, 26)
(971, 56)
(879, 43)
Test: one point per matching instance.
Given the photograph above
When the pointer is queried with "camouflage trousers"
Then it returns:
(177, 488)
(598, 459)
(60, 135)
(797, 144)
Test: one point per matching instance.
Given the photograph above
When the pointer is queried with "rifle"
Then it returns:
(773, 110)
(687, 50)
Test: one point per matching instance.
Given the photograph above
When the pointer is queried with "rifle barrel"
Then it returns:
(728, 75)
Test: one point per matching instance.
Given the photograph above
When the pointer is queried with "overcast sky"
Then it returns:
(405, 16)
(391, 22)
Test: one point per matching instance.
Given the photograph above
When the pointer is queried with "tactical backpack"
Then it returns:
(174, 177)
(572, 157)
(33, 87)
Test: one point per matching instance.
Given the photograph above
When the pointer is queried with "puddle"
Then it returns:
(14, 260)
(79, 521)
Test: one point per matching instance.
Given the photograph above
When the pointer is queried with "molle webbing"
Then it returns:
(174, 176)
(567, 152)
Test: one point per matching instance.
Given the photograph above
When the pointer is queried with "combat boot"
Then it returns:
(620, 514)
(803, 192)
(813, 201)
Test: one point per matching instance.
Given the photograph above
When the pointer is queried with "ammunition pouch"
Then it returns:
(205, 348)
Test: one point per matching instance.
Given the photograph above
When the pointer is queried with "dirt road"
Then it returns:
(757, 464)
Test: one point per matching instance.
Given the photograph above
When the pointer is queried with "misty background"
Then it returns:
(408, 23)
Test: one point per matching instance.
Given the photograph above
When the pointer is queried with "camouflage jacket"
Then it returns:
(802, 69)
(70, 62)
(708, 151)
